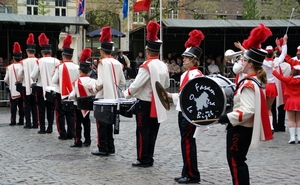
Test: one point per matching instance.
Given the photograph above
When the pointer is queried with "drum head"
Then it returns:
(202, 101)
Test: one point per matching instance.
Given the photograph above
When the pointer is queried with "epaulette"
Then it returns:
(249, 84)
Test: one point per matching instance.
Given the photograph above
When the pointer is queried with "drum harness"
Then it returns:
(260, 85)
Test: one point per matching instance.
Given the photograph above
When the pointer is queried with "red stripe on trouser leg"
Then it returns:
(188, 152)
(234, 172)
(140, 152)
(98, 134)
(56, 116)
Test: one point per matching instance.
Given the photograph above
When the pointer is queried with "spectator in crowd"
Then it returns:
(219, 62)
(174, 71)
(139, 59)
(213, 68)
(123, 59)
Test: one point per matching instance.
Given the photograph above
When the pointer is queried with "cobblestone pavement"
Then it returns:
(29, 158)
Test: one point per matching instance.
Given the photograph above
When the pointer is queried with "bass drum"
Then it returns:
(228, 87)
(204, 99)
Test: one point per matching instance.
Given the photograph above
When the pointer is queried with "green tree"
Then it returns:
(250, 11)
(274, 9)
(43, 7)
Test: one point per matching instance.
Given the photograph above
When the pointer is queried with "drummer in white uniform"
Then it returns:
(82, 88)
(42, 73)
(24, 75)
(65, 73)
(110, 78)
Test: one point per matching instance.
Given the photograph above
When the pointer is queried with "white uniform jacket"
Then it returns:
(143, 86)
(25, 72)
(267, 65)
(43, 71)
(81, 89)
(110, 75)
(11, 77)
(250, 110)
(285, 70)
(65, 74)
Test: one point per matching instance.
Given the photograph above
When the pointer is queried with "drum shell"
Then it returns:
(228, 87)
(85, 103)
(105, 113)
(126, 108)
(19, 86)
(50, 96)
(67, 105)
(34, 88)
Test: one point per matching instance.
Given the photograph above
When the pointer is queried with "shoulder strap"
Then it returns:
(260, 85)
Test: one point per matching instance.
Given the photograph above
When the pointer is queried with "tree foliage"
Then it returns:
(43, 7)
(250, 11)
(103, 13)
(274, 9)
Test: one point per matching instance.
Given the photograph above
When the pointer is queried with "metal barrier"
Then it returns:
(4, 96)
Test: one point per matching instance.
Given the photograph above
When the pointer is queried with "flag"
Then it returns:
(141, 5)
(80, 7)
(125, 9)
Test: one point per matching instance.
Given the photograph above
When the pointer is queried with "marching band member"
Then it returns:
(42, 73)
(149, 110)
(110, 77)
(271, 90)
(292, 105)
(247, 123)
(81, 88)
(24, 74)
(191, 56)
(15, 97)
(297, 57)
(65, 73)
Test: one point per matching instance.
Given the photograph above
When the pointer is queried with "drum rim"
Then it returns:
(182, 110)
(225, 79)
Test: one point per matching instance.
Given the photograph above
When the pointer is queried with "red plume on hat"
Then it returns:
(152, 30)
(67, 41)
(17, 48)
(85, 54)
(105, 34)
(43, 40)
(196, 37)
(30, 39)
(257, 36)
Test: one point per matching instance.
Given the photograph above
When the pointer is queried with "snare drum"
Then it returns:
(204, 99)
(85, 103)
(67, 105)
(50, 93)
(126, 106)
(105, 110)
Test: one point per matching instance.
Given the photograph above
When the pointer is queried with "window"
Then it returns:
(60, 9)
(172, 13)
(137, 18)
(32, 2)
(32, 7)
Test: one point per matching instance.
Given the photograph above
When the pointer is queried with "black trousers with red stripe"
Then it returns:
(238, 142)
(86, 122)
(61, 116)
(14, 105)
(30, 109)
(105, 137)
(188, 148)
(146, 132)
(42, 104)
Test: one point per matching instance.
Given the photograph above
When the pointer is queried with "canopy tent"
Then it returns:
(97, 33)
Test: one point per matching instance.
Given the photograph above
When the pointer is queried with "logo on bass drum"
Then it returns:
(202, 99)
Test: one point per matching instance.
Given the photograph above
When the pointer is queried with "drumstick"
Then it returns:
(290, 20)
(206, 120)
(118, 87)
